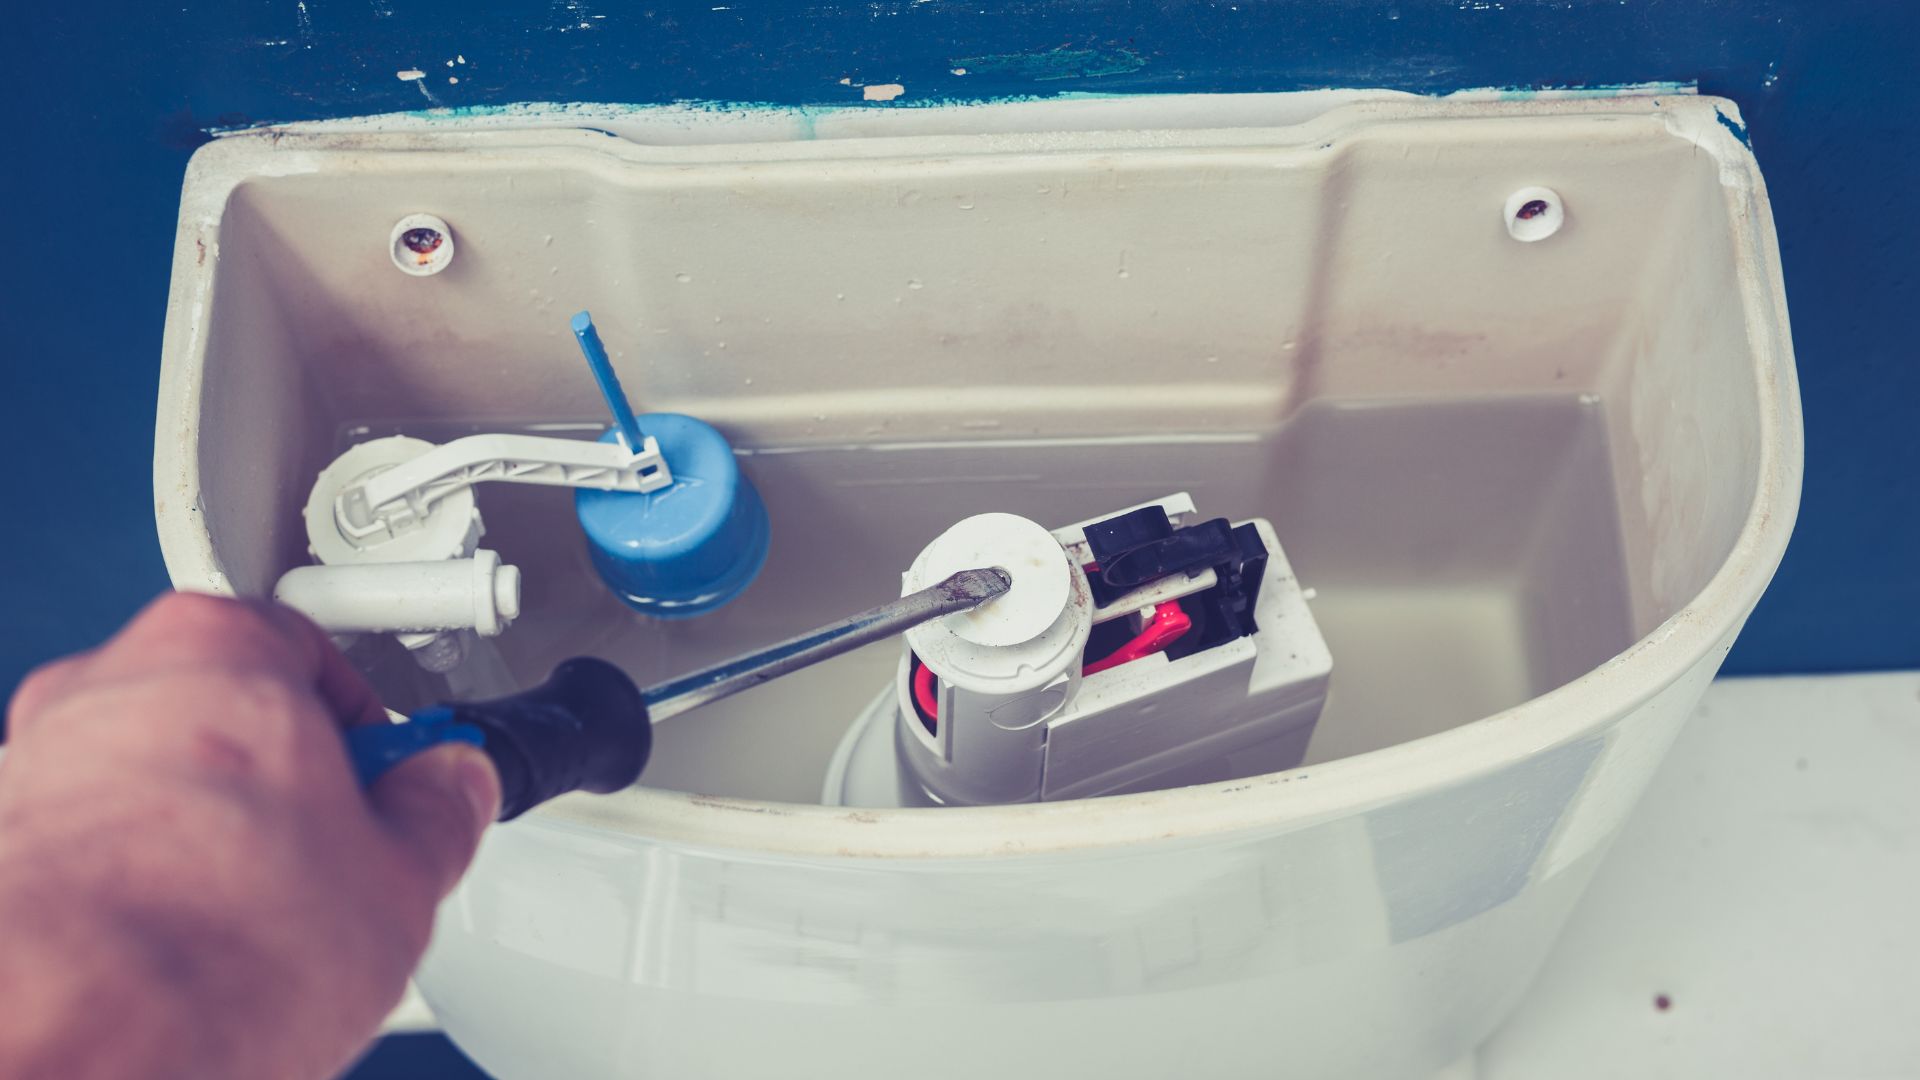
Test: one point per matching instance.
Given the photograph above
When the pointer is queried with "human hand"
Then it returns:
(191, 881)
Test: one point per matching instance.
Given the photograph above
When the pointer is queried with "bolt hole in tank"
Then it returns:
(1513, 486)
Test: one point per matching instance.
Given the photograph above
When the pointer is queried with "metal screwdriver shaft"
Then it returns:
(588, 728)
(961, 592)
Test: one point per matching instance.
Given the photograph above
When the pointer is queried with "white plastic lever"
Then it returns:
(397, 499)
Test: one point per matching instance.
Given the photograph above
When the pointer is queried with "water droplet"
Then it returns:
(748, 380)
(839, 296)
(1124, 273)
(966, 206)
(683, 278)
(915, 283)
(723, 345)
(716, 318)
(1213, 359)
(548, 242)
(1043, 189)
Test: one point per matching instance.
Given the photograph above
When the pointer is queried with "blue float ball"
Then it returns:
(690, 547)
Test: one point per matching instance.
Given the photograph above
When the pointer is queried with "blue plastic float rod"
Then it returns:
(609, 382)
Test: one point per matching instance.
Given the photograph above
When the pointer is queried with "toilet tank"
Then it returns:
(1511, 380)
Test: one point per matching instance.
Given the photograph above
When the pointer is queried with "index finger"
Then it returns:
(199, 630)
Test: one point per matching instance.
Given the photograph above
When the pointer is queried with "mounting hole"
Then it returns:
(421, 244)
(1534, 213)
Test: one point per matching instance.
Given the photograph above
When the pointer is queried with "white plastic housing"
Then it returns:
(1241, 708)
(449, 528)
(1537, 487)
(477, 593)
(1005, 667)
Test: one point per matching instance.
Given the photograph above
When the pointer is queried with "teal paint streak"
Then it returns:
(805, 118)
(1055, 64)
(1534, 93)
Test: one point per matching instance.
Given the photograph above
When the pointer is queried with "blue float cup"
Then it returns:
(687, 548)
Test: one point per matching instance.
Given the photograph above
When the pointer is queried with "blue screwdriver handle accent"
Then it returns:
(375, 748)
(585, 729)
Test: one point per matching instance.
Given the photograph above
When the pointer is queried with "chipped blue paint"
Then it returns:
(1739, 129)
(1534, 93)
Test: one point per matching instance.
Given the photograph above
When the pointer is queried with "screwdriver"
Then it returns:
(589, 728)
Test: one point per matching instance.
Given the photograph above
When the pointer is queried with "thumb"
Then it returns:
(437, 804)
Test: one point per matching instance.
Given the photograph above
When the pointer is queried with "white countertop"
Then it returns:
(1768, 885)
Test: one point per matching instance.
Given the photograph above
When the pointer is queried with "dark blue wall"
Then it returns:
(108, 99)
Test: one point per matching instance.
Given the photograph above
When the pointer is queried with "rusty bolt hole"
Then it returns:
(1527, 212)
(427, 241)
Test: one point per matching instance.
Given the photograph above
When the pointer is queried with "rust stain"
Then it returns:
(713, 803)
(422, 241)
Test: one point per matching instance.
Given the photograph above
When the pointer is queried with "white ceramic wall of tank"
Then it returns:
(1537, 486)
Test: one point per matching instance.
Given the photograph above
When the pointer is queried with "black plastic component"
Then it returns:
(584, 729)
(1111, 539)
(1106, 639)
(1225, 612)
(1142, 546)
(1118, 535)
(1194, 548)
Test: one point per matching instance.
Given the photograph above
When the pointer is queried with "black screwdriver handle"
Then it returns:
(584, 729)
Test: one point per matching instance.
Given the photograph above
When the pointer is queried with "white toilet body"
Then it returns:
(1536, 488)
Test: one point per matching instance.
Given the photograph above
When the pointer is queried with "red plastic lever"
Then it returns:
(1169, 621)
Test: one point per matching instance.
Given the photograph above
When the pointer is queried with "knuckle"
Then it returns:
(195, 609)
(254, 724)
(235, 632)
(267, 702)
(216, 622)
(42, 686)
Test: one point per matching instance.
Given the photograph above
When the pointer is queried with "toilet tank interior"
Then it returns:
(1496, 463)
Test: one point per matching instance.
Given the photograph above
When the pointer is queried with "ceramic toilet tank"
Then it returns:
(1510, 381)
